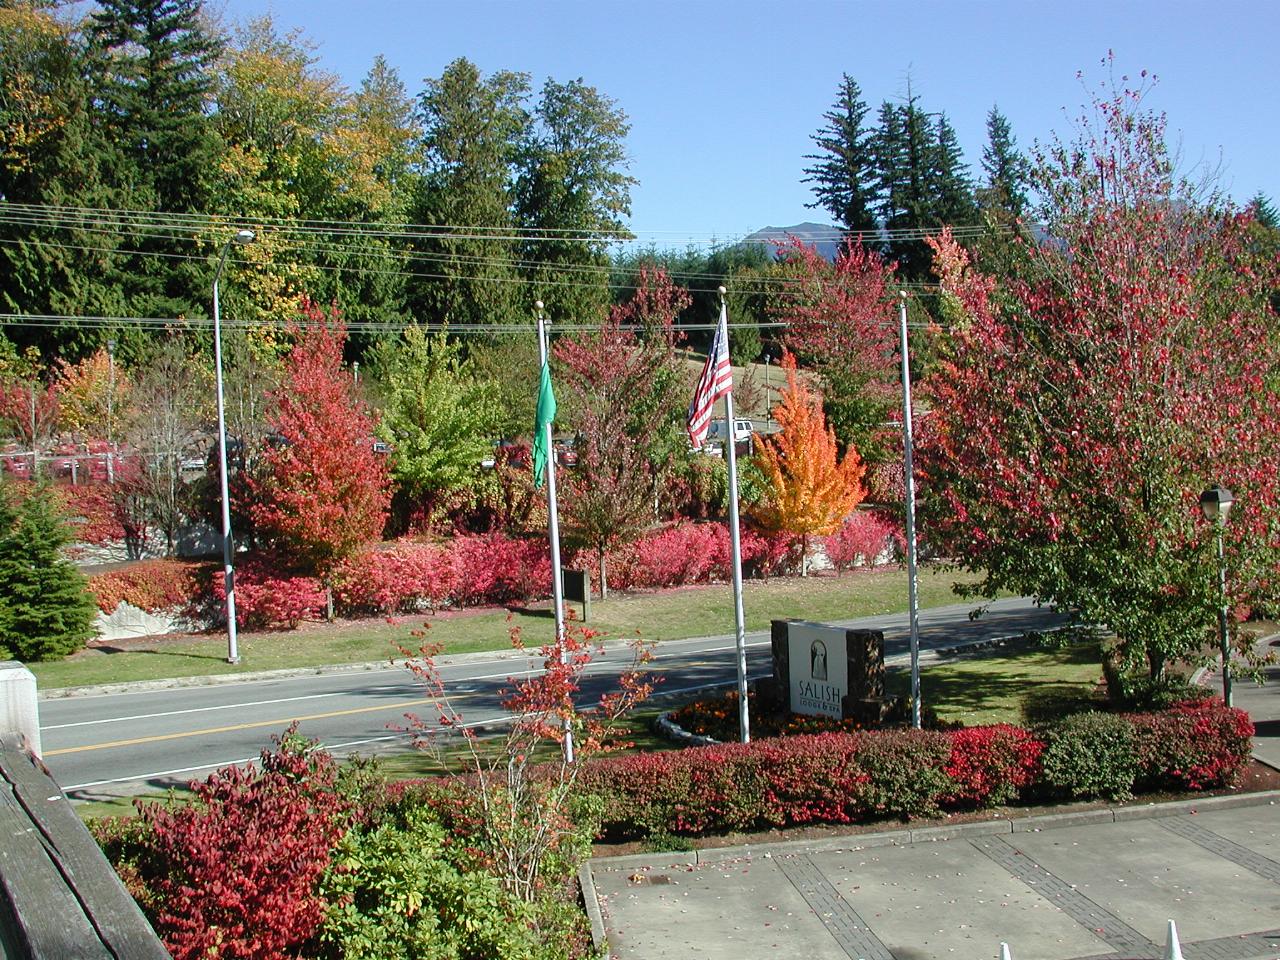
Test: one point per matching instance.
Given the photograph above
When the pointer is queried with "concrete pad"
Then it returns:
(945, 900)
(1257, 828)
(1143, 874)
(724, 912)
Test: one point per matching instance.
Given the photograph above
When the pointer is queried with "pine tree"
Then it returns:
(844, 170)
(906, 157)
(1008, 171)
(1264, 211)
(46, 610)
(951, 192)
(151, 68)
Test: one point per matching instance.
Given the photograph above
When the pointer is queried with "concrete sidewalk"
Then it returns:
(1099, 883)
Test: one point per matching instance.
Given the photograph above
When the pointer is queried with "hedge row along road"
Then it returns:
(126, 743)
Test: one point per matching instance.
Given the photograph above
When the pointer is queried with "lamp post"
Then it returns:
(1216, 503)
(228, 572)
(111, 399)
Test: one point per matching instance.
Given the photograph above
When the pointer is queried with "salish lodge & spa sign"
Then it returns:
(819, 670)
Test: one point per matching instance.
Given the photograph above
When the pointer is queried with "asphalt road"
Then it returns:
(126, 743)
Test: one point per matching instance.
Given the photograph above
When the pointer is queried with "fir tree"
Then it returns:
(951, 198)
(1264, 211)
(843, 172)
(46, 610)
(151, 70)
(1007, 170)
(906, 156)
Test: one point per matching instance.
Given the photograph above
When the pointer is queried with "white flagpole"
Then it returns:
(553, 531)
(913, 600)
(735, 543)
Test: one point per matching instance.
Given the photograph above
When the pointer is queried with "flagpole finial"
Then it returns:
(902, 294)
(723, 291)
(538, 305)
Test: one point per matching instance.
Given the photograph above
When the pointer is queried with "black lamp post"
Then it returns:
(1216, 503)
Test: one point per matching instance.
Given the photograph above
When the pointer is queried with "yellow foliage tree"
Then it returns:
(809, 490)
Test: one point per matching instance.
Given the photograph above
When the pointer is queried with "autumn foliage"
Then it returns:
(1090, 396)
(809, 488)
(323, 491)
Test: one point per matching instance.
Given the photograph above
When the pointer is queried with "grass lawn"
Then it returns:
(660, 615)
(1007, 684)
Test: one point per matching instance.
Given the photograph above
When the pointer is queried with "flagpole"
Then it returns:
(913, 600)
(735, 544)
(553, 531)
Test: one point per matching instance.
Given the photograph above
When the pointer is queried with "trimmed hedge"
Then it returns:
(906, 774)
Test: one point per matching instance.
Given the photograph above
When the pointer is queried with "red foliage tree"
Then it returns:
(839, 320)
(1090, 397)
(624, 393)
(322, 492)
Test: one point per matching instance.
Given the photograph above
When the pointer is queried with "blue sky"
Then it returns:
(723, 96)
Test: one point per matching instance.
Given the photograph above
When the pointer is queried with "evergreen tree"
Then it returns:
(151, 71)
(844, 170)
(906, 158)
(1264, 211)
(1007, 171)
(46, 610)
(473, 129)
(951, 192)
(51, 155)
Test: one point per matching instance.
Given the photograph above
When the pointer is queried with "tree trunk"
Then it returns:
(328, 601)
(804, 555)
(1155, 664)
(604, 577)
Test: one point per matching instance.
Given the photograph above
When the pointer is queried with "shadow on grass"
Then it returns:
(158, 651)
(978, 682)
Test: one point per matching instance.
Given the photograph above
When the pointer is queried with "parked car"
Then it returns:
(742, 430)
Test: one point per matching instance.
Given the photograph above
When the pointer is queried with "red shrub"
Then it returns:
(1194, 745)
(234, 874)
(680, 554)
(269, 596)
(398, 578)
(151, 585)
(989, 765)
(768, 555)
(494, 568)
(861, 539)
(92, 513)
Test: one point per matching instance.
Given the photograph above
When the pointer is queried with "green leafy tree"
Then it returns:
(843, 171)
(572, 198)
(439, 418)
(46, 610)
(473, 128)
(1004, 194)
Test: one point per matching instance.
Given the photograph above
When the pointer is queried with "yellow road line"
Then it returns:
(236, 726)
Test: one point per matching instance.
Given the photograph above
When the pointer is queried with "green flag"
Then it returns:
(546, 414)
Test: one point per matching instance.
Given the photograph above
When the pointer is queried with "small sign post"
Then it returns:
(577, 587)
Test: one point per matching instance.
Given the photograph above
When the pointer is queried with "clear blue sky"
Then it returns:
(723, 95)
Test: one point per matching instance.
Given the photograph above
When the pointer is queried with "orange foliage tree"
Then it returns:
(809, 490)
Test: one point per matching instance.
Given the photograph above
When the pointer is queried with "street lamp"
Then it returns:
(1216, 503)
(111, 396)
(228, 572)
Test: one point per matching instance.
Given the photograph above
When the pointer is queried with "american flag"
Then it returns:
(715, 382)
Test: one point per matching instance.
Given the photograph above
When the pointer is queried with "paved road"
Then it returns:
(133, 741)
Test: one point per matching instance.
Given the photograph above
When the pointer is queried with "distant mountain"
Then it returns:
(822, 236)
